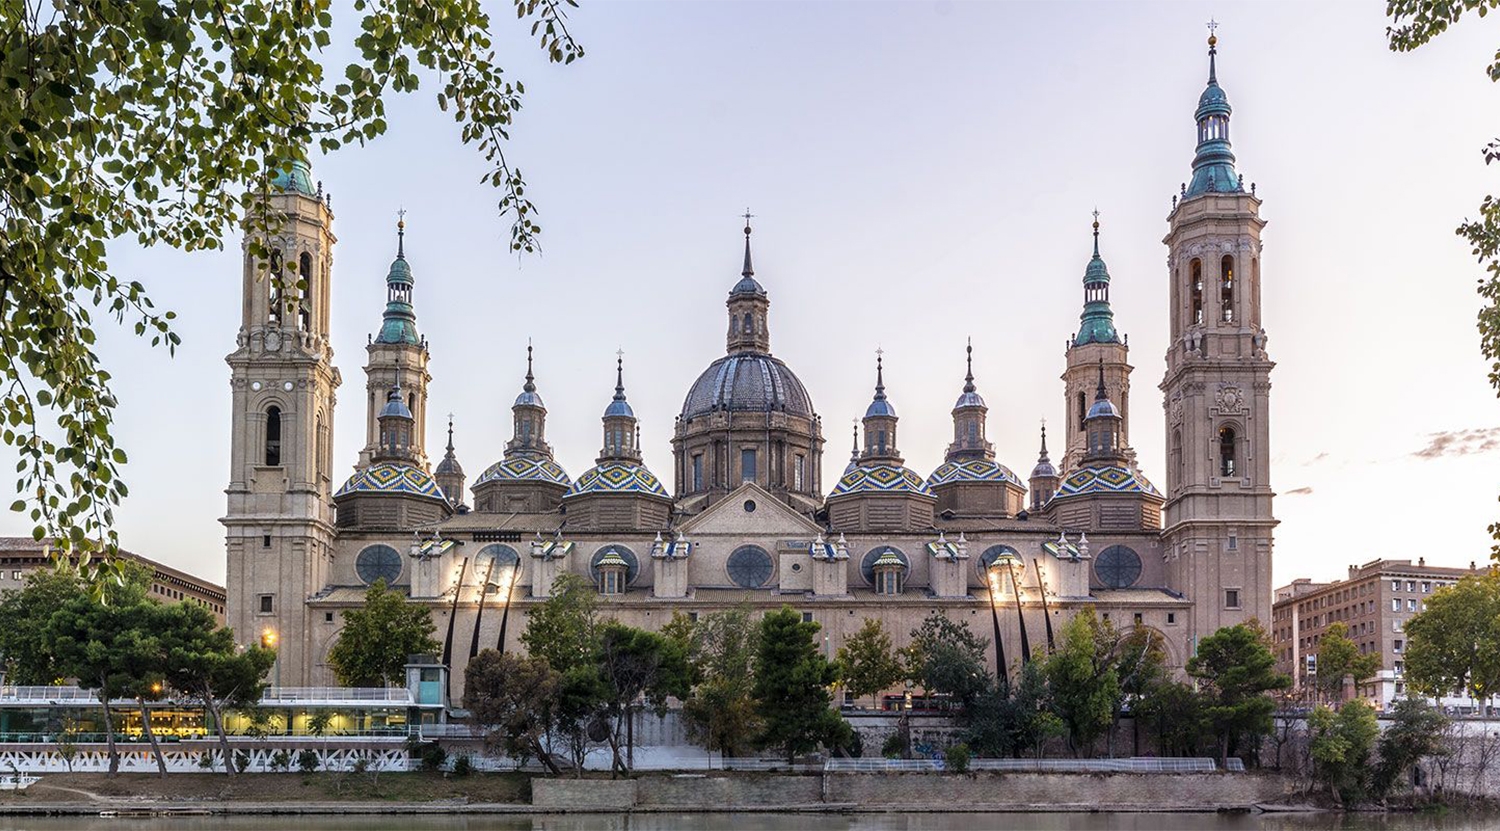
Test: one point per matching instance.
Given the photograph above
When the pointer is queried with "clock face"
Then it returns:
(255, 385)
(287, 386)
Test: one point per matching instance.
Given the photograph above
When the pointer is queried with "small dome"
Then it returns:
(529, 399)
(612, 559)
(619, 407)
(1103, 407)
(618, 477)
(969, 399)
(880, 478)
(1044, 470)
(1104, 479)
(392, 477)
(524, 469)
(975, 470)
(747, 382)
(880, 407)
(298, 180)
(394, 406)
(400, 271)
(747, 285)
(449, 466)
(1213, 101)
(889, 559)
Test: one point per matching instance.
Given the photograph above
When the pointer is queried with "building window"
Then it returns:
(1397, 644)
(880, 443)
(1226, 451)
(1411, 585)
(265, 540)
(1234, 541)
(15, 575)
(328, 617)
(888, 582)
(698, 472)
(799, 472)
(1083, 410)
(273, 437)
(747, 465)
(1426, 587)
(273, 281)
(1231, 598)
(1395, 585)
(1196, 284)
(1171, 617)
(1137, 619)
(267, 604)
(304, 307)
(807, 617)
(1411, 604)
(1226, 289)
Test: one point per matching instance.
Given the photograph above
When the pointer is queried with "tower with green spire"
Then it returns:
(1096, 341)
(1218, 517)
(397, 353)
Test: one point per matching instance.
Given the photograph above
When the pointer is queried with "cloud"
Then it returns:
(1460, 443)
(1302, 491)
(1318, 458)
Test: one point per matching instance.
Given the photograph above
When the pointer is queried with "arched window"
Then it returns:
(1083, 410)
(1227, 448)
(880, 442)
(749, 324)
(304, 307)
(1176, 459)
(1195, 283)
(273, 288)
(749, 567)
(1226, 289)
(734, 326)
(273, 437)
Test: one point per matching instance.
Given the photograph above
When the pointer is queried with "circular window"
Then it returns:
(749, 506)
(626, 554)
(378, 562)
(993, 553)
(496, 563)
(1118, 567)
(750, 567)
(867, 565)
(797, 567)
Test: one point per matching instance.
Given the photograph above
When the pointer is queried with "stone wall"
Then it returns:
(583, 794)
(718, 792)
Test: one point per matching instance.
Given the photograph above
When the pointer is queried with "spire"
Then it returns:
(879, 374)
(530, 385)
(400, 321)
(1043, 476)
(618, 406)
(969, 376)
(449, 454)
(749, 270)
(621, 430)
(1100, 394)
(747, 284)
(1042, 457)
(1213, 165)
(1097, 323)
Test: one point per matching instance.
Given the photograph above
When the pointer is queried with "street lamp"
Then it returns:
(268, 641)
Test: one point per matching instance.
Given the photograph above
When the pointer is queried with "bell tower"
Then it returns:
(397, 357)
(1219, 521)
(279, 522)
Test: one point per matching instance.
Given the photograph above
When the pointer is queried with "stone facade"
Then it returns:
(747, 519)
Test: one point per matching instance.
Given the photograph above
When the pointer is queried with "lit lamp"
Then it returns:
(1010, 561)
(268, 641)
(994, 591)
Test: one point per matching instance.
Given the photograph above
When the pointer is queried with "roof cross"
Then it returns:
(1212, 25)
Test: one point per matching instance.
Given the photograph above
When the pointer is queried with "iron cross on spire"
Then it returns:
(1212, 26)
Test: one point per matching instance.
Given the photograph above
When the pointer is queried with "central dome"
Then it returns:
(747, 382)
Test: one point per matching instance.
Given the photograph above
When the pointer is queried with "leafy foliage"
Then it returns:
(947, 657)
(721, 713)
(867, 661)
(1340, 746)
(1235, 670)
(1414, 733)
(160, 123)
(1454, 644)
(24, 615)
(1083, 681)
(377, 638)
(638, 664)
(1340, 658)
(792, 681)
(513, 698)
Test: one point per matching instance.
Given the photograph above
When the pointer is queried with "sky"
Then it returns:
(920, 173)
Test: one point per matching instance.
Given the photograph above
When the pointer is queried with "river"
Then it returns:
(780, 822)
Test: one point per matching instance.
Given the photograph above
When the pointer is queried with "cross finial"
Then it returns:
(748, 216)
(401, 232)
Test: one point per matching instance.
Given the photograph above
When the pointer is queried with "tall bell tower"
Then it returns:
(279, 523)
(1217, 388)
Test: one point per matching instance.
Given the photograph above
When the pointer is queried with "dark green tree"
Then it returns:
(867, 661)
(1340, 743)
(1414, 733)
(377, 639)
(792, 681)
(564, 631)
(160, 123)
(1236, 670)
(947, 657)
(1178, 716)
(637, 665)
(721, 713)
(1082, 680)
(1339, 658)
(24, 614)
(512, 698)
(1454, 644)
(203, 662)
(1141, 665)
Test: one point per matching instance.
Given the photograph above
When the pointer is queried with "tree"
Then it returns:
(1340, 745)
(1235, 670)
(1012, 720)
(204, 664)
(1141, 665)
(377, 639)
(721, 714)
(1178, 715)
(1082, 681)
(867, 661)
(564, 631)
(146, 121)
(1454, 644)
(637, 664)
(1415, 732)
(948, 658)
(512, 698)
(1340, 658)
(791, 686)
(24, 614)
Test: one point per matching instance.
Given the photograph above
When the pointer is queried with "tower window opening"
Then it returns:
(1083, 410)
(799, 472)
(747, 465)
(1196, 280)
(273, 437)
(1176, 459)
(734, 326)
(1226, 290)
(880, 441)
(1226, 451)
(698, 471)
(304, 306)
(749, 324)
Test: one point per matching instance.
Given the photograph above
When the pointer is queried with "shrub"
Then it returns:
(241, 761)
(281, 761)
(894, 747)
(463, 766)
(307, 761)
(433, 756)
(958, 758)
(361, 765)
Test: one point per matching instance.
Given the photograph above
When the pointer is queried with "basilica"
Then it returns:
(744, 517)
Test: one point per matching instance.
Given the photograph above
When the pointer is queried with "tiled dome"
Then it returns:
(1104, 479)
(880, 478)
(974, 470)
(747, 381)
(391, 477)
(525, 469)
(618, 477)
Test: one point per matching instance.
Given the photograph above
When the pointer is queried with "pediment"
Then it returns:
(771, 517)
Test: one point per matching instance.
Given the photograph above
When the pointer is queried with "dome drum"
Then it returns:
(390, 496)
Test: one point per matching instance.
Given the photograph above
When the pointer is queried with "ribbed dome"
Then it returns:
(1103, 407)
(747, 382)
(392, 477)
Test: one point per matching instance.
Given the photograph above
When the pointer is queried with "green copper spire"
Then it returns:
(1097, 323)
(1213, 166)
(400, 324)
(295, 179)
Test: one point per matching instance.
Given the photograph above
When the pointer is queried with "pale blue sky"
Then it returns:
(921, 172)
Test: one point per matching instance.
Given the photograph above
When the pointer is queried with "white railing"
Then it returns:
(336, 695)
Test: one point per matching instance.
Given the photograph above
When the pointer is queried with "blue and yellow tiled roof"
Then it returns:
(525, 469)
(618, 477)
(392, 477)
(973, 470)
(880, 478)
(1104, 479)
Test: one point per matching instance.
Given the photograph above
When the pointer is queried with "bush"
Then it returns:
(433, 756)
(307, 761)
(281, 761)
(958, 758)
(206, 760)
(241, 761)
(894, 747)
(361, 765)
(463, 765)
